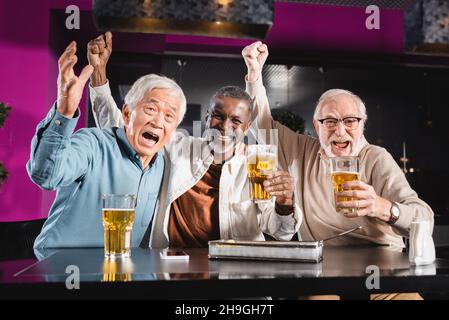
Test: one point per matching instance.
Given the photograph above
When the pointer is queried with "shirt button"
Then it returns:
(58, 122)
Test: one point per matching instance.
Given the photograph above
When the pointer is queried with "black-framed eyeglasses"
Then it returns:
(350, 123)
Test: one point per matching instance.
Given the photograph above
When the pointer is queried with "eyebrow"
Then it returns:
(346, 116)
(157, 102)
(172, 108)
(216, 110)
(217, 103)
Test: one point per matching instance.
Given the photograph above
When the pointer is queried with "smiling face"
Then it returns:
(230, 119)
(339, 141)
(150, 124)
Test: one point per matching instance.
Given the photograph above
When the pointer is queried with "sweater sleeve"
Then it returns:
(389, 182)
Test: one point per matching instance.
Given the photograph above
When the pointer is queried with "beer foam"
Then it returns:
(346, 172)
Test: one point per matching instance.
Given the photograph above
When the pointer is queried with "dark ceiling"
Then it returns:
(386, 4)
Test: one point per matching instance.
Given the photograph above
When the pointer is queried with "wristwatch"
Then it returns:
(394, 213)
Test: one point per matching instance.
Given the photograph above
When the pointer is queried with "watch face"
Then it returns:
(394, 214)
(395, 211)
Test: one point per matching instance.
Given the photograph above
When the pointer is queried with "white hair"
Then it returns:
(335, 92)
(154, 81)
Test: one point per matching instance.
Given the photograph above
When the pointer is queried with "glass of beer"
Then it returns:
(262, 161)
(344, 169)
(118, 220)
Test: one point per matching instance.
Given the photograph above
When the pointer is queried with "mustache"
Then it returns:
(334, 138)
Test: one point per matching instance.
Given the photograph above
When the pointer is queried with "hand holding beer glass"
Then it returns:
(261, 161)
(344, 169)
(118, 220)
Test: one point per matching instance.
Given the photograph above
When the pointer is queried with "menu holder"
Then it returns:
(299, 251)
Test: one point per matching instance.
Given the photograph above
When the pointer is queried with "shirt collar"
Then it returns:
(129, 150)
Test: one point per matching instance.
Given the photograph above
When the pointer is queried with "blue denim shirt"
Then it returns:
(81, 167)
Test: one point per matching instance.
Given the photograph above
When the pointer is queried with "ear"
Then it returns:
(126, 114)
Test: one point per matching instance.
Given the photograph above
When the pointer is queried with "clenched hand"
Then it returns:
(255, 56)
(98, 52)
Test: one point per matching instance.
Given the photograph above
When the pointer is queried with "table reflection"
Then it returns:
(117, 270)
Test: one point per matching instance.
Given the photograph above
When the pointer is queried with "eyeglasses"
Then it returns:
(350, 123)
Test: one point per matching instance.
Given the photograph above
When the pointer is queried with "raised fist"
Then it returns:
(98, 52)
(255, 56)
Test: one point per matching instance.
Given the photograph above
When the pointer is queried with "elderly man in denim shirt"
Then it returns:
(92, 162)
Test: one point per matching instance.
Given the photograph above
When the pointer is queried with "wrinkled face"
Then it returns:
(229, 119)
(151, 123)
(339, 138)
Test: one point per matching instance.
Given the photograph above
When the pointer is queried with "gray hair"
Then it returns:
(335, 92)
(154, 81)
(235, 93)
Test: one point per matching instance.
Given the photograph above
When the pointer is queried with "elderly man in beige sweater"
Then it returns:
(387, 204)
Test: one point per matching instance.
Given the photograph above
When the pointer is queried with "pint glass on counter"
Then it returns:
(118, 220)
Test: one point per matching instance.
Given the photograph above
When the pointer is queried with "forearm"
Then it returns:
(281, 227)
(390, 183)
(262, 121)
(412, 211)
(384, 210)
(257, 92)
(48, 147)
(98, 77)
(253, 75)
(104, 109)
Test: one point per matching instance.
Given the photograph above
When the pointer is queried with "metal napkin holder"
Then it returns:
(299, 251)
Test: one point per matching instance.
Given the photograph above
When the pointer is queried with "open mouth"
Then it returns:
(223, 143)
(150, 138)
(341, 145)
(223, 138)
